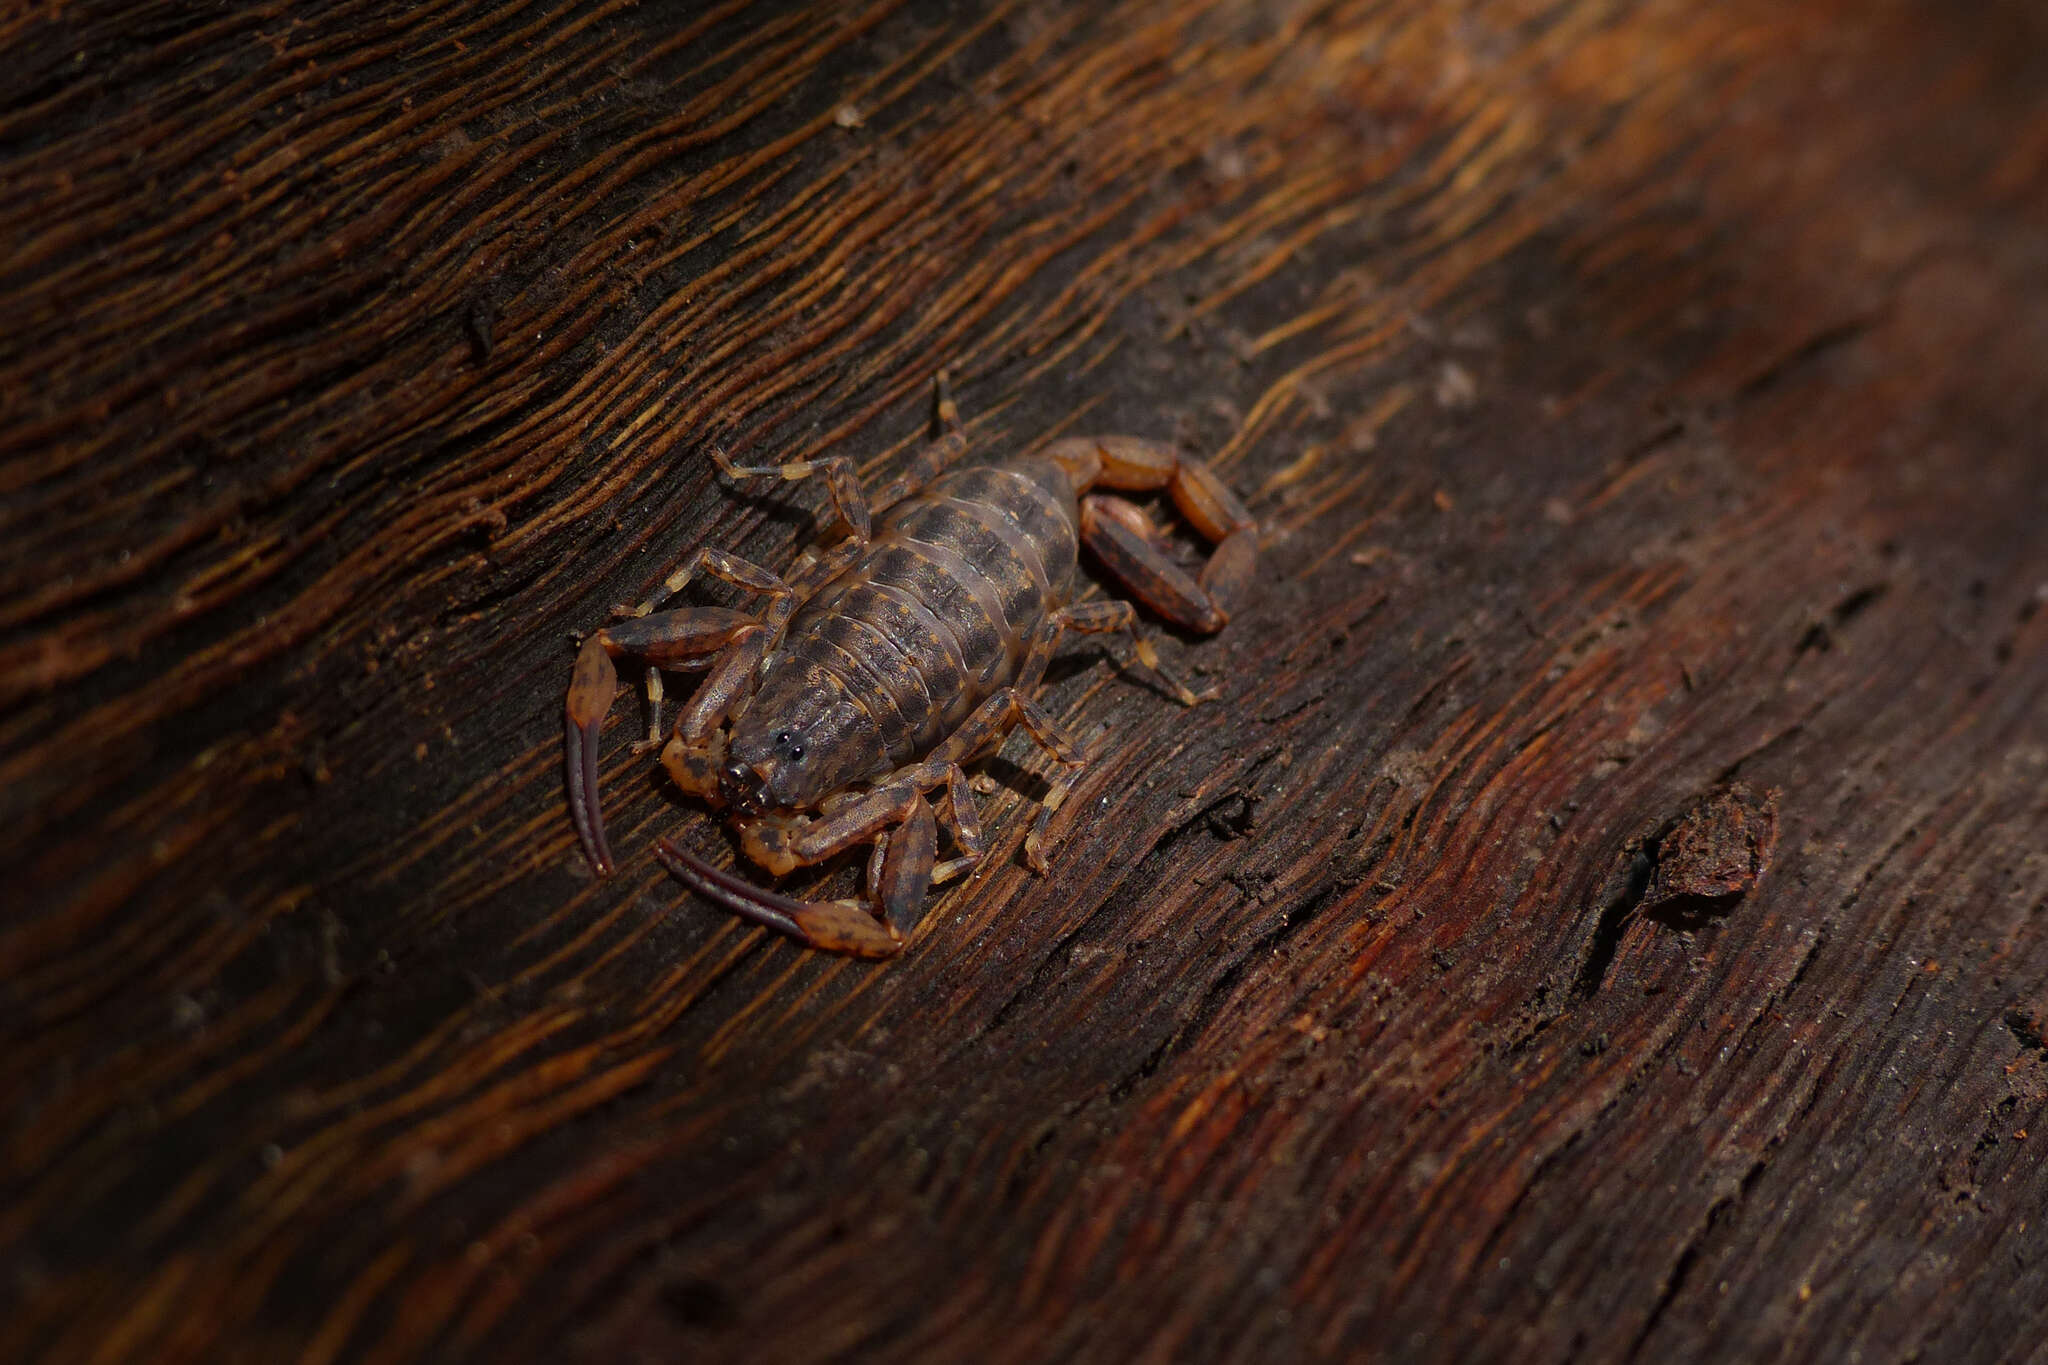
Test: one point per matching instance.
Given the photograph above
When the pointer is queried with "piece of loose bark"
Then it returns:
(1719, 850)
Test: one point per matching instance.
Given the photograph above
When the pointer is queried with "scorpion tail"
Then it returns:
(833, 927)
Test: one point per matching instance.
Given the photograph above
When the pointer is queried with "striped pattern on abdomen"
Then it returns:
(938, 613)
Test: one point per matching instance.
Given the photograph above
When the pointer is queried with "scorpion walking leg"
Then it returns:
(726, 567)
(1013, 706)
(855, 510)
(960, 819)
(900, 872)
(1112, 617)
(688, 639)
(957, 815)
(934, 459)
(848, 502)
(720, 564)
(994, 719)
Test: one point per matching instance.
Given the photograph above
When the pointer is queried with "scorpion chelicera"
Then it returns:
(842, 714)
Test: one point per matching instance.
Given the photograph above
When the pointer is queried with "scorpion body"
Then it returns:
(844, 712)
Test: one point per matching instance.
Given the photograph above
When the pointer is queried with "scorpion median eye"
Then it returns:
(796, 753)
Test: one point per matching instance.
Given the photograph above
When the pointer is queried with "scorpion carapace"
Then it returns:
(843, 713)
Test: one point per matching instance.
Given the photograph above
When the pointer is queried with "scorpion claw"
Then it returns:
(834, 927)
(589, 696)
(581, 763)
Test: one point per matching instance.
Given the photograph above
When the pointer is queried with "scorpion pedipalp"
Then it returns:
(590, 696)
(692, 639)
(833, 926)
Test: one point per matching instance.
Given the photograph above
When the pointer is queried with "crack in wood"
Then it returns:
(1821, 635)
(1803, 356)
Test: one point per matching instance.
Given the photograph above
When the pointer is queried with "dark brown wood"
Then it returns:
(1642, 399)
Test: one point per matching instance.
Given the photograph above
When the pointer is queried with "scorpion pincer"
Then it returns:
(843, 712)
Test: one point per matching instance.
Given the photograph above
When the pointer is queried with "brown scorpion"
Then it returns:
(842, 714)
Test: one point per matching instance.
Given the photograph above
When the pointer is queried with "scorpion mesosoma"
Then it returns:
(844, 712)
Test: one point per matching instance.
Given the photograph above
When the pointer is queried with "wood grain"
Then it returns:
(1644, 400)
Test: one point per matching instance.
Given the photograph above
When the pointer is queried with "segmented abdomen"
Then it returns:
(940, 610)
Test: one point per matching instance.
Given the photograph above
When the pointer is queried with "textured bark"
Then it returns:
(1645, 403)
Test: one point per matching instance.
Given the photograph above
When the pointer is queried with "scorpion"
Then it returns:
(844, 711)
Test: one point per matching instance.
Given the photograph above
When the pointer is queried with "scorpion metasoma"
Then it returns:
(842, 713)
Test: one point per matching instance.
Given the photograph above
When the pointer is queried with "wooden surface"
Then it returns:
(1645, 401)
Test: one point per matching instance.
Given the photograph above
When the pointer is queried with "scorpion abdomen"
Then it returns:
(938, 612)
